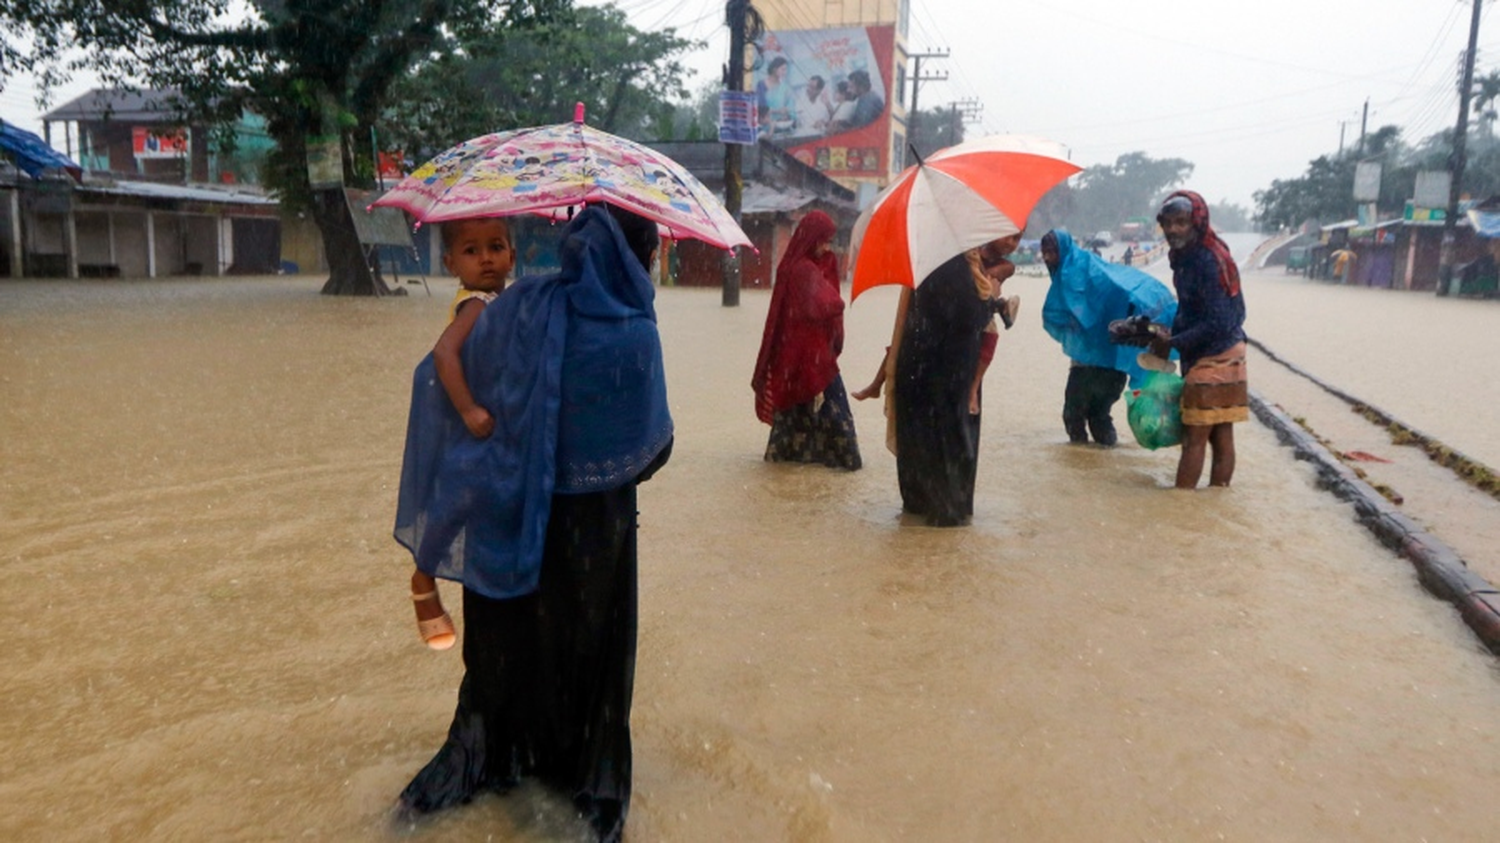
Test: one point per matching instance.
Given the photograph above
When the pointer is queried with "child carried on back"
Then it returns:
(480, 253)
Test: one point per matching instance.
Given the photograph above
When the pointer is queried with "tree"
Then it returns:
(1325, 191)
(311, 68)
(931, 130)
(1486, 93)
(698, 118)
(1054, 210)
(1228, 216)
(1106, 195)
(487, 79)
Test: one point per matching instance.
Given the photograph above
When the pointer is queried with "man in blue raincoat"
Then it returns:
(1087, 293)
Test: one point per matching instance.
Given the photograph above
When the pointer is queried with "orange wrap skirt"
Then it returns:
(1216, 390)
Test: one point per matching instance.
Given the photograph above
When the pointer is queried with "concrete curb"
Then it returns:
(1442, 572)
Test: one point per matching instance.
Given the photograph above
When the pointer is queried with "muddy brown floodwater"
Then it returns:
(210, 637)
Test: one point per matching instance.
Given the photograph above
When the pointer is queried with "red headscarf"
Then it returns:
(805, 324)
(1229, 273)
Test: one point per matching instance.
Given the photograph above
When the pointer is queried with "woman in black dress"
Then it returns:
(538, 522)
(937, 356)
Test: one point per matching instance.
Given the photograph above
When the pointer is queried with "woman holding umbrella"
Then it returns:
(798, 390)
(955, 260)
(538, 523)
(538, 520)
(938, 348)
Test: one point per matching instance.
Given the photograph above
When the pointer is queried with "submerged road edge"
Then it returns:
(1442, 571)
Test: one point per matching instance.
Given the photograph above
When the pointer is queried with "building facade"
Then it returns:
(151, 196)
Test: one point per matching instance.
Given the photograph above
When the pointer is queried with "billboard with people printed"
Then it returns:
(824, 95)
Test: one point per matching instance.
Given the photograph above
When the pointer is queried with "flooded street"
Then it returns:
(212, 638)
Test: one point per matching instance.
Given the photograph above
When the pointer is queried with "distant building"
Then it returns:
(154, 197)
(779, 190)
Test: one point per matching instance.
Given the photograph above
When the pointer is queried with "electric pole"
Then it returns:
(1343, 125)
(1457, 162)
(916, 84)
(735, 14)
(964, 111)
(1364, 121)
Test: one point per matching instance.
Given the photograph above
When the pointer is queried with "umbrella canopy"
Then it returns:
(548, 169)
(961, 197)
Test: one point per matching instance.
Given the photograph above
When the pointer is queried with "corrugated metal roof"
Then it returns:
(762, 199)
(1338, 225)
(194, 193)
(126, 106)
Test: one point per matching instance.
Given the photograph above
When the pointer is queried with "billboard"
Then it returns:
(824, 95)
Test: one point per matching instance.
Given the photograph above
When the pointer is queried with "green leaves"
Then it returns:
(485, 79)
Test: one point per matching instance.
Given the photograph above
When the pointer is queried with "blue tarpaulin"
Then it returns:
(32, 154)
(1486, 223)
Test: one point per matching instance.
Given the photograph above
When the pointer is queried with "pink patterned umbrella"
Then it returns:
(549, 169)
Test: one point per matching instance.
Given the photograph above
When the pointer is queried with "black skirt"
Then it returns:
(824, 435)
(549, 676)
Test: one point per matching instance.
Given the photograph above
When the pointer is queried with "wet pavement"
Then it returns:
(211, 638)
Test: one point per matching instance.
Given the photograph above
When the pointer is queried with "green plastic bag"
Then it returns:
(1155, 410)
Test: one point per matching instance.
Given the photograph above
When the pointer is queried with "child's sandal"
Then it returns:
(437, 632)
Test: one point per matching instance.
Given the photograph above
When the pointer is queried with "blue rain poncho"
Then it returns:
(1087, 293)
(570, 366)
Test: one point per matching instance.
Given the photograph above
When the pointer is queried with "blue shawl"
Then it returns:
(1087, 293)
(570, 366)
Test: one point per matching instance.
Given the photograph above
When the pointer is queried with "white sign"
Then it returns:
(1367, 181)
(1432, 189)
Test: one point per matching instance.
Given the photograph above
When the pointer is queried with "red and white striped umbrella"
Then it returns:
(959, 198)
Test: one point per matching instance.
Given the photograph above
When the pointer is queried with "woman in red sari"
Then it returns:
(797, 386)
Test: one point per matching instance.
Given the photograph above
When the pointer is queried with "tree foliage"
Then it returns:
(1325, 191)
(1229, 216)
(487, 79)
(697, 119)
(1103, 196)
(929, 130)
(311, 68)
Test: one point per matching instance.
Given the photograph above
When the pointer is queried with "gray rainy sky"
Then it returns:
(1247, 91)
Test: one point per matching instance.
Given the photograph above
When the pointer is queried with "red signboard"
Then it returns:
(392, 165)
(151, 142)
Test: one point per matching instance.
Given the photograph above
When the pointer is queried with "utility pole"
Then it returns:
(1364, 121)
(735, 13)
(964, 111)
(916, 84)
(1458, 160)
(1343, 124)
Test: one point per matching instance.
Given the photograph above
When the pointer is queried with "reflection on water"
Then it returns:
(211, 636)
